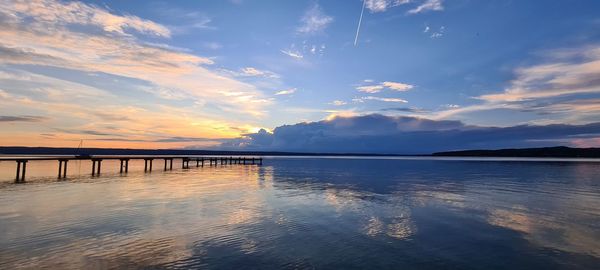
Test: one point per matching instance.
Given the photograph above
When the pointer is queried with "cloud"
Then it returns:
(404, 135)
(286, 92)
(382, 5)
(294, 54)
(428, 5)
(50, 32)
(375, 6)
(370, 88)
(181, 20)
(250, 71)
(362, 99)
(563, 84)
(439, 33)
(53, 13)
(405, 109)
(212, 45)
(338, 103)
(397, 86)
(578, 72)
(376, 88)
(314, 21)
(22, 118)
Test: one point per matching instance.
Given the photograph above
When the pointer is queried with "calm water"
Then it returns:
(306, 213)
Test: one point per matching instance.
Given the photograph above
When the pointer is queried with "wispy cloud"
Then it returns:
(362, 99)
(564, 84)
(22, 118)
(383, 5)
(404, 109)
(338, 103)
(370, 88)
(182, 21)
(50, 34)
(376, 88)
(294, 54)
(314, 20)
(49, 12)
(286, 92)
(212, 45)
(437, 34)
(428, 5)
(252, 72)
(375, 6)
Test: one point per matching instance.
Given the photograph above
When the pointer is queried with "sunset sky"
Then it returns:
(423, 75)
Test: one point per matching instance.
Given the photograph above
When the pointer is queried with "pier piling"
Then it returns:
(62, 168)
(170, 161)
(21, 170)
(148, 164)
(96, 168)
(124, 165)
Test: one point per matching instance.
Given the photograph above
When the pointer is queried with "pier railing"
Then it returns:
(63, 161)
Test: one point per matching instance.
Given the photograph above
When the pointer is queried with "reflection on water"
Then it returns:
(306, 213)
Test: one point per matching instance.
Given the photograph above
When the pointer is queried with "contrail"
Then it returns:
(359, 22)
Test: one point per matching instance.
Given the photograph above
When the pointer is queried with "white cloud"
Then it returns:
(294, 54)
(439, 33)
(382, 5)
(370, 88)
(428, 5)
(396, 86)
(362, 99)
(250, 71)
(338, 103)
(314, 21)
(286, 92)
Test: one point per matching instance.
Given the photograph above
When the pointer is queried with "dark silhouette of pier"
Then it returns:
(63, 162)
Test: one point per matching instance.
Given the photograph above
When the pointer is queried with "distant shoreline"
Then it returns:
(549, 152)
(545, 152)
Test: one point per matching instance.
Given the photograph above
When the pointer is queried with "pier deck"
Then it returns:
(63, 161)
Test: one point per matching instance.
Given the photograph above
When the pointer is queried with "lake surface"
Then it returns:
(305, 213)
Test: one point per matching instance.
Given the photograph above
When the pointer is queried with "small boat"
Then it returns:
(81, 155)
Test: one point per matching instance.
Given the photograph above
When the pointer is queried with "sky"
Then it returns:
(414, 76)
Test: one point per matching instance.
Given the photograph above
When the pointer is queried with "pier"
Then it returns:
(21, 163)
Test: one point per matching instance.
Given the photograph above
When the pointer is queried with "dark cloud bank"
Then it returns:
(405, 135)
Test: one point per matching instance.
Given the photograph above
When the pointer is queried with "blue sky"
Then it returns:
(211, 74)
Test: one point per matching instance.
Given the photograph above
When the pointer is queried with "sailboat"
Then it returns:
(81, 155)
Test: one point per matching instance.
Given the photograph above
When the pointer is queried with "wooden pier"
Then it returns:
(21, 163)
